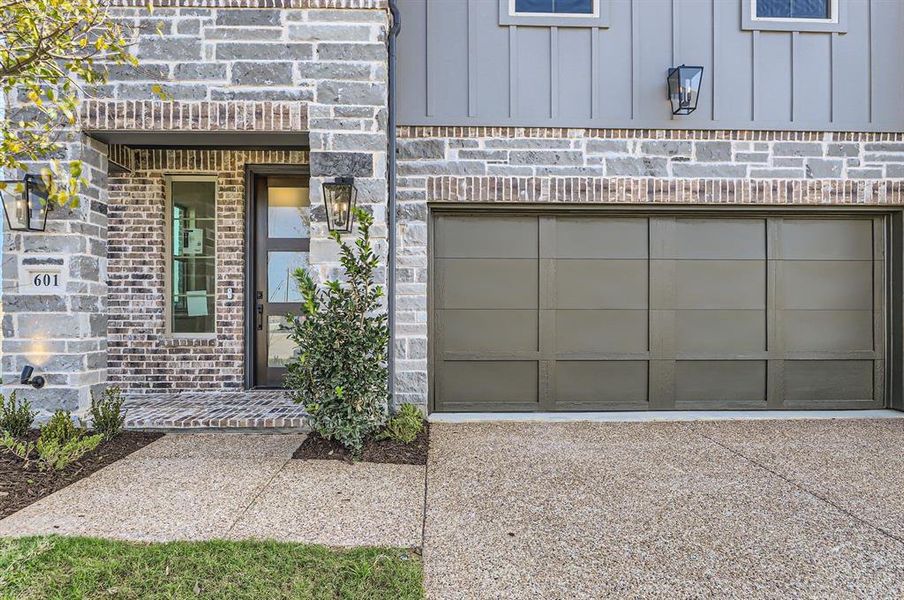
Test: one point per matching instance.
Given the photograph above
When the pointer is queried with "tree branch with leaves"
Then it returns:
(51, 53)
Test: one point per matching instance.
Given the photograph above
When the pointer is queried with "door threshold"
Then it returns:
(653, 416)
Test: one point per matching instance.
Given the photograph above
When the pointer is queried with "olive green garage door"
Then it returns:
(592, 312)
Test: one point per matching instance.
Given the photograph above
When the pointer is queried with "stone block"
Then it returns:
(351, 92)
(145, 91)
(13, 303)
(359, 142)
(636, 167)
(667, 148)
(272, 95)
(48, 326)
(884, 147)
(335, 70)
(420, 149)
(797, 149)
(713, 151)
(546, 157)
(709, 171)
(315, 32)
(597, 146)
(248, 17)
(262, 74)
(356, 52)
(865, 173)
(776, 173)
(199, 71)
(263, 51)
(143, 72)
(250, 34)
(819, 168)
(752, 157)
(168, 49)
(843, 149)
(341, 164)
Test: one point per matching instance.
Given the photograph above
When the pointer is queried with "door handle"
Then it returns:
(260, 317)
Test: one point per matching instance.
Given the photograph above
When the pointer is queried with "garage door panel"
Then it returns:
(488, 330)
(827, 239)
(602, 331)
(729, 331)
(718, 239)
(720, 383)
(601, 283)
(601, 385)
(811, 382)
(720, 284)
(486, 237)
(828, 330)
(827, 285)
(601, 237)
(487, 283)
(489, 385)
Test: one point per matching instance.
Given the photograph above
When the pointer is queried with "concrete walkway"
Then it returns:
(751, 509)
(747, 509)
(233, 486)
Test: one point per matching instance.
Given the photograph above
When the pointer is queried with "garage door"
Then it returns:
(582, 312)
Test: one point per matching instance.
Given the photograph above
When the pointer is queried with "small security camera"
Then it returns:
(27, 379)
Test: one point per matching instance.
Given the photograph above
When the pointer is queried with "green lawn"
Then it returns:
(57, 567)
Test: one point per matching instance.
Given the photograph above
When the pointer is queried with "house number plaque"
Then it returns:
(41, 281)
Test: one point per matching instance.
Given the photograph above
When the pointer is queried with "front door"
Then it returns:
(281, 243)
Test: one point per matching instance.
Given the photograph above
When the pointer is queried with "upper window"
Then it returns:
(191, 211)
(795, 15)
(554, 13)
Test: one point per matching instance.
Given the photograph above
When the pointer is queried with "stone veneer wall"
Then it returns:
(141, 358)
(552, 165)
(262, 66)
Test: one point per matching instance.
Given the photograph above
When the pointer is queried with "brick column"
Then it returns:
(62, 331)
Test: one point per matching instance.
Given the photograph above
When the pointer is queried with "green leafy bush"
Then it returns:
(404, 426)
(57, 456)
(340, 372)
(20, 449)
(61, 442)
(60, 428)
(107, 416)
(15, 417)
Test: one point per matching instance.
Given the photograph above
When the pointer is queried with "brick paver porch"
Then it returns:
(256, 409)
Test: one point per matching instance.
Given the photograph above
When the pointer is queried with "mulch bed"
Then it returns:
(384, 451)
(20, 487)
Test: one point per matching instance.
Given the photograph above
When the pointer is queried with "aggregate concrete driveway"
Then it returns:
(744, 509)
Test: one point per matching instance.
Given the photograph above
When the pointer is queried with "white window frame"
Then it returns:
(168, 247)
(598, 18)
(837, 22)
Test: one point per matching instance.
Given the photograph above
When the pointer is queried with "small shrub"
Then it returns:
(107, 416)
(404, 426)
(57, 456)
(15, 417)
(60, 428)
(340, 372)
(20, 449)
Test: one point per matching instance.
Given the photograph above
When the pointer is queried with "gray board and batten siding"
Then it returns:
(556, 311)
(459, 66)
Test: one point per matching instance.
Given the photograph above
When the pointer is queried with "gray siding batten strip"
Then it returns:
(594, 72)
(473, 53)
(833, 62)
(675, 36)
(428, 104)
(513, 71)
(870, 54)
(795, 47)
(553, 72)
(714, 71)
(754, 39)
(635, 60)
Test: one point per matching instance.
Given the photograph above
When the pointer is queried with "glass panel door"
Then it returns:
(282, 241)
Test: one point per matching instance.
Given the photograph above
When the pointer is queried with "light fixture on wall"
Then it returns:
(339, 196)
(37, 382)
(25, 203)
(684, 88)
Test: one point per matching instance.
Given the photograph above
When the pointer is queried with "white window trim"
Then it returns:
(598, 18)
(594, 14)
(837, 23)
(168, 248)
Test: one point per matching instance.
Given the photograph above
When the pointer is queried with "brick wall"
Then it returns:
(525, 165)
(276, 67)
(141, 358)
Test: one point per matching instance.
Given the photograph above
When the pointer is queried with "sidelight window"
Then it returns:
(191, 255)
(554, 13)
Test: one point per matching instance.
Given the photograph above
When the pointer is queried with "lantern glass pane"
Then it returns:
(15, 205)
(37, 206)
(339, 200)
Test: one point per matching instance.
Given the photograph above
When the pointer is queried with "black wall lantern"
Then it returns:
(340, 196)
(37, 382)
(25, 203)
(684, 88)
